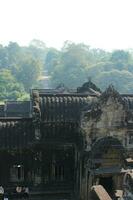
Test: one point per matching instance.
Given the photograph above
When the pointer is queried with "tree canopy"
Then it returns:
(22, 68)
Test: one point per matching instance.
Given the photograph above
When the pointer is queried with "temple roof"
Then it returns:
(12, 123)
(15, 133)
(63, 104)
(64, 108)
(20, 109)
(89, 88)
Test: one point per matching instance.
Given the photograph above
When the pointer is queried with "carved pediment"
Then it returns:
(112, 95)
(109, 109)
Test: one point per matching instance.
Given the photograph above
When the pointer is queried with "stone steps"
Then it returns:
(52, 197)
(53, 192)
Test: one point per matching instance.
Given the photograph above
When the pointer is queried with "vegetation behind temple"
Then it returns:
(22, 68)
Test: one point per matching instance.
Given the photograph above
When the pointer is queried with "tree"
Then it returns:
(120, 58)
(30, 70)
(38, 44)
(10, 89)
(71, 65)
(52, 59)
(3, 57)
(122, 80)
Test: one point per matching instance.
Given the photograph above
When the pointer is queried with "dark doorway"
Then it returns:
(107, 183)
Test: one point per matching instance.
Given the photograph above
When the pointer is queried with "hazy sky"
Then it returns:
(104, 24)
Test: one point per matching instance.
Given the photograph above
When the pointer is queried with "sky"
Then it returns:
(106, 24)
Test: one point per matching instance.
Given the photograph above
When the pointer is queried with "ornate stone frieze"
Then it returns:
(36, 114)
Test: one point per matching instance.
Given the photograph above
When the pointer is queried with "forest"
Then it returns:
(23, 68)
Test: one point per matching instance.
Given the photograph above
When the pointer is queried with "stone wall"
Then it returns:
(106, 127)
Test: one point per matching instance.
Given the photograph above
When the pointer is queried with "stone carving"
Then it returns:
(36, 105)
(36, 114)
(105, 118)
(109, 97)
(110, 92)
(128, 185)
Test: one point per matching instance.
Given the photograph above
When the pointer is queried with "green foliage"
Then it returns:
(70, 68)
(10, 89)
(120, 56)
(122, 80)
(24, 97)
(77, 62)
(52, 59)
(29, 72)
(22, 68)
(3, 57)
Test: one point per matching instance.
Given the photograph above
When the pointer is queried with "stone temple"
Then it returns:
(69, 142)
